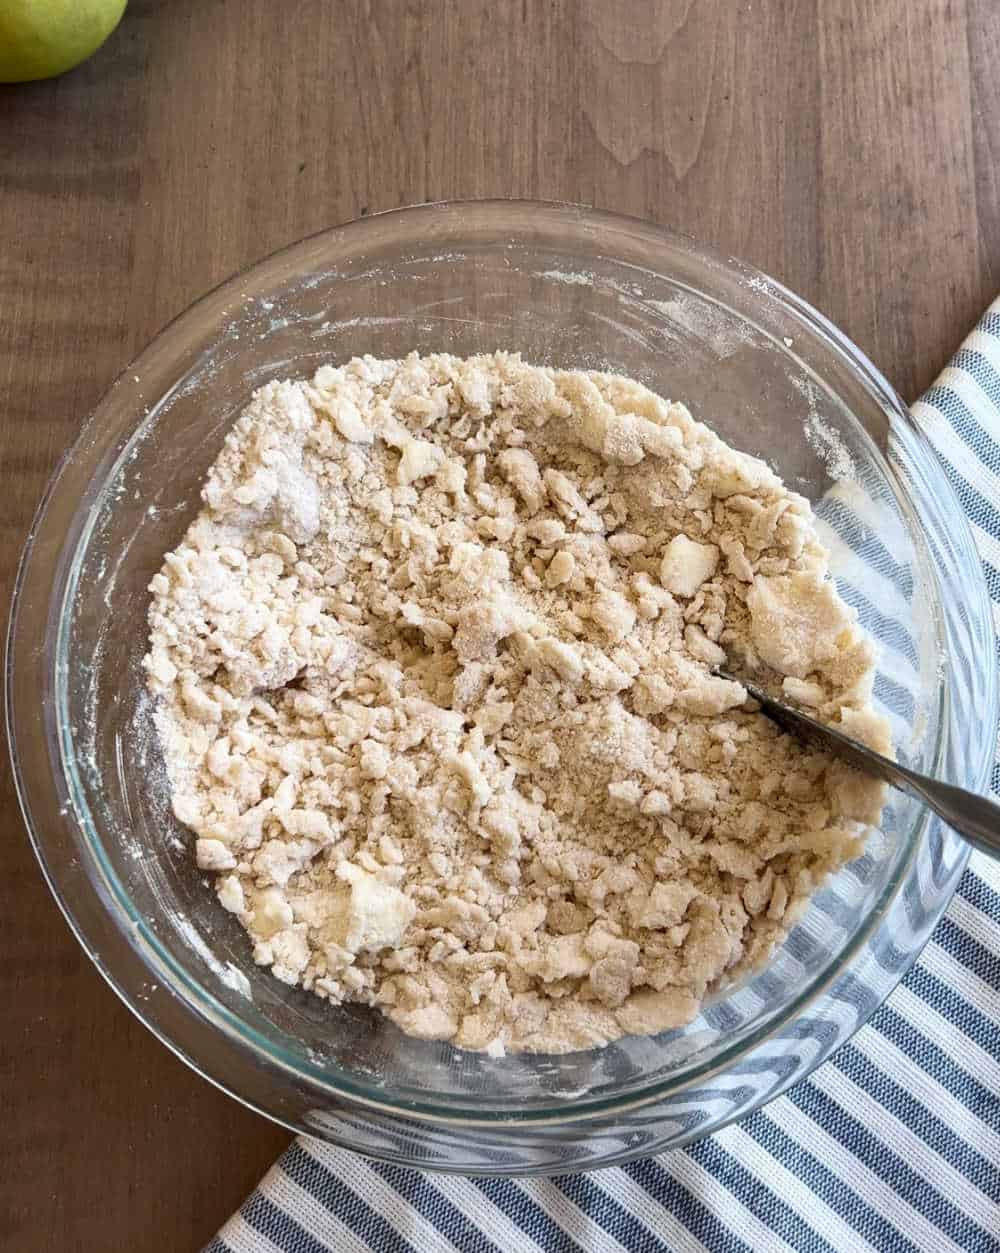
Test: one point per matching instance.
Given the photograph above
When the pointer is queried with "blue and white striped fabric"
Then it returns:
(892, 1146)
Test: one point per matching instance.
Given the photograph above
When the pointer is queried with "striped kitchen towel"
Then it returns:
(891, 1146)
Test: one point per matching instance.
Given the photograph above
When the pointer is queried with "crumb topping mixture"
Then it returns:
(436, 691)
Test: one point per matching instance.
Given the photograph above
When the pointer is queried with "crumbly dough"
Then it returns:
(434, 669)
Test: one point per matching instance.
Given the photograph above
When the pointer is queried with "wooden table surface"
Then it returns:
(848, 147)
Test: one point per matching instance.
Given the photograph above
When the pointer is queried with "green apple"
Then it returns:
(41, 38)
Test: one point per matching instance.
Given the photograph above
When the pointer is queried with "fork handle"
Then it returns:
(976, 818)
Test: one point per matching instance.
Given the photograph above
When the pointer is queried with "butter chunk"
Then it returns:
(648, 1012)
(686, 565)
(797, 622)
(373, 915)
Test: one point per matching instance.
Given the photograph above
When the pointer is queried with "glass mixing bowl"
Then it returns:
(567, 286)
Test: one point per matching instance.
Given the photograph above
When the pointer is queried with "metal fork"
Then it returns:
(974, 817)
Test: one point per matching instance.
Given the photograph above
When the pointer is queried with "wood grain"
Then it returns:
(848, 148)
